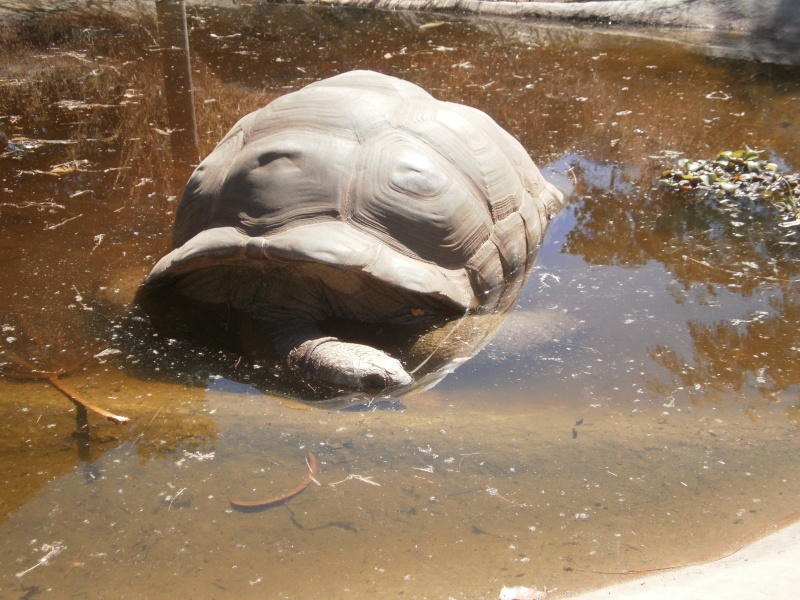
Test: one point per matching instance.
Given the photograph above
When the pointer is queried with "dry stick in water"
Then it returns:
(56, 383)
(312, 470)
(31, 371)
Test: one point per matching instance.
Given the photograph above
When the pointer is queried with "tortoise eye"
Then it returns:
(417, 175)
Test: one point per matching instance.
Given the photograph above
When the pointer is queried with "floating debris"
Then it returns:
(358, 478)
(493, 492)
(739, 175)
(82, 403)
(312, 470)
(20, 367)
(199, 456)
(183, 502)
(63, 222)
(52, 550)
(81, 105)
(20, 144)
(60, 169)
(520, 592)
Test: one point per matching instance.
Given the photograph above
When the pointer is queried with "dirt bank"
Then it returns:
(770, 18)
(777, 19)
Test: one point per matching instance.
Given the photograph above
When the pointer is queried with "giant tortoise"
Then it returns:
(359, 197)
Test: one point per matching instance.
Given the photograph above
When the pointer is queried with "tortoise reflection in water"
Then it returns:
(362, 198)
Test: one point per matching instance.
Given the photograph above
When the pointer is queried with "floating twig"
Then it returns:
(311, 461)
(76, 562)
(76, 399)
(737, 274)
(180, 491)
(52, 550)
(468, 454)
(21, 368)
(64, 222)
(358, 477)
(493, 492)
(571, 171)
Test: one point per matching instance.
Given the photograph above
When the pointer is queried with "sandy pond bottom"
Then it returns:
(446, 498)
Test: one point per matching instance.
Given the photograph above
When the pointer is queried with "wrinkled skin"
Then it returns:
(360, 198)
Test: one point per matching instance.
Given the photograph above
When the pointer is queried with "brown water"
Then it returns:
(638, 410)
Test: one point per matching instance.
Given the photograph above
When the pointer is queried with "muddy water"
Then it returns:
(638, 410)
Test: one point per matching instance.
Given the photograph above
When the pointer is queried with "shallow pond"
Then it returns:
(638, 410)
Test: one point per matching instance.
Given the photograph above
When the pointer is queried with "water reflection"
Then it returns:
(176, 59)
(195, 337)
(664, 327)
(758, 351)
(706, 247)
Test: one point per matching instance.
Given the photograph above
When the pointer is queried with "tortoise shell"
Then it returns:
(370, 174)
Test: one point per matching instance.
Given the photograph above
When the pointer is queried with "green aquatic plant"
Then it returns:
(739, 175)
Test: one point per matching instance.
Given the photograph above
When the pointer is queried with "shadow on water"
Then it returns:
(637, 409)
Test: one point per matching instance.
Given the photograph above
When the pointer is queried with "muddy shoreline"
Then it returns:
(738, 29)
(773, 19)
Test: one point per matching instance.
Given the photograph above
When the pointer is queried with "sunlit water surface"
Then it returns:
(638, 410)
